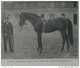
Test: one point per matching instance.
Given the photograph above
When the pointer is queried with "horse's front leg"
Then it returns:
(39, 42)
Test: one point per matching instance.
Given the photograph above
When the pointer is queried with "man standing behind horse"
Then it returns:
(44, 24)
(7, 33)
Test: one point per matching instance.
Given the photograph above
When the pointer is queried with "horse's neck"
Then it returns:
(33, 22)
(32, 18)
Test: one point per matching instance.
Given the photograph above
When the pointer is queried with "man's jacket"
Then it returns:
(7, 29)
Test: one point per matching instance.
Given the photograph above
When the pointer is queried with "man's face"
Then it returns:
(63, 16)
(7, 20)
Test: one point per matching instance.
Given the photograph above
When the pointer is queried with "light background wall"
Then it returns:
(13, 9)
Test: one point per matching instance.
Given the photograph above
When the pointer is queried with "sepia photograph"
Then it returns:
(39, 30)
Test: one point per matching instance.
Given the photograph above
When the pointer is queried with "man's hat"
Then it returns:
(6, 17)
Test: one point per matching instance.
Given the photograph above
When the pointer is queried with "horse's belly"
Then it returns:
(50, 28)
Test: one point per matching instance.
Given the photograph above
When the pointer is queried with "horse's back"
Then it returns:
(56, 24)
(51, 25)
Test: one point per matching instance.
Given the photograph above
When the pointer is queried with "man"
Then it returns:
(44, 24)
(63, 15)
(7, 33)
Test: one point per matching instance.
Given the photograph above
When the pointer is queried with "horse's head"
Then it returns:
(22, 20)
(33, 18)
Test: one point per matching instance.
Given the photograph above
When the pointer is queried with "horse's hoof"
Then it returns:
(61, 50)
(40, 51)
(67, 50)
(37, 49)
(72, 45)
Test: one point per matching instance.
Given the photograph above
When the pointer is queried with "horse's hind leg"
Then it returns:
(63, 38)
(67, 43)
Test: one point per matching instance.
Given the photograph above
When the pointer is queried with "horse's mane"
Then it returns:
(32, 15)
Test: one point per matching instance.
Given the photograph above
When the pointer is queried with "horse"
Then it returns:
(63, 25)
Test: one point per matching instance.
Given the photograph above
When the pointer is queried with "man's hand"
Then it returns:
(5, 34)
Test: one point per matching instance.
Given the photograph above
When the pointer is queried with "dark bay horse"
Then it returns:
(62, 24)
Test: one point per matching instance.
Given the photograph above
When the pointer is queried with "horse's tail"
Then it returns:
(70, 32)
